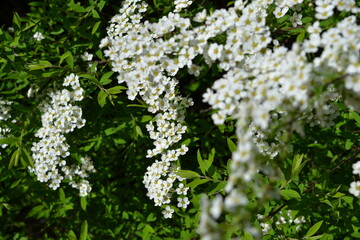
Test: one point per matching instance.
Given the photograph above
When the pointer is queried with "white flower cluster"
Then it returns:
(59, 117)
(259, 81)
(355, 186)
(265, 84)
(4, 116)
(284, 218)
(180, 4)
(146, 63)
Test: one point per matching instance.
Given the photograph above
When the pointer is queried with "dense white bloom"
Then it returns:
(60, 116)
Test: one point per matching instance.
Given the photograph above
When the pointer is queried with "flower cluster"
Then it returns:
(284, 218)
(262, 84)
(144, 61)
(59, 117)
(4, 116)
(265, 85)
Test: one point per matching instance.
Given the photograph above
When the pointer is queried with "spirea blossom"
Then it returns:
(261, 84)
(5, 107)
(59, 117)
(38, 36)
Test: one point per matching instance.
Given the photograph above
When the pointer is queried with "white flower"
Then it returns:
(183, 202)
(216, 207)
(215, 51)
(280, 12)
(296, 19)
(87, 56)
(355, 188)
(356, 167)
(38, 36)
(168, 212)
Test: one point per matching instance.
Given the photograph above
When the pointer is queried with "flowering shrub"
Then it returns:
(203, 119)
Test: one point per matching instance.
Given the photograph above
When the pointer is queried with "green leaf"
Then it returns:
(84, 230)
(76, 7)
(116, 90)
(288, 194)
(16, 21)
(232, 146)
(83, 203)
(35, 210)
(201, 162)
(63, 56)
(297, 166)
(355, 115)
(151, 217)
(197, 182)
(72, 235)
(102, 98)
(90, 77)
(25, 154)
(208, 163)
(10, 140)
(105, 78)
(70, 61)
(348, 144)
(14, 158)
(147, 230)
(300, 37)
(248, 236)
(95, 27)
(138, 131)
(61, 195)
(313, 229)
(95, 14)
(41, 65)
(187, 174)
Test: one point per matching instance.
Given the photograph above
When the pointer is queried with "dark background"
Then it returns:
(8, 7)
